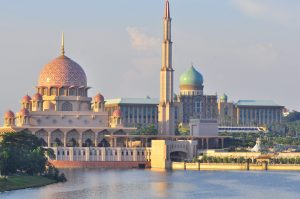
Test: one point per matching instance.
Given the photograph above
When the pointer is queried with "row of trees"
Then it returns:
(24, 153)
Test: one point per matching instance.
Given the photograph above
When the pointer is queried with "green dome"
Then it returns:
(191, 77)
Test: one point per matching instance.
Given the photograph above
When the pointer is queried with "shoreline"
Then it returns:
(24, 182)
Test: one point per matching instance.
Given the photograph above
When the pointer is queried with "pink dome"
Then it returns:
(9, 114)
(26, 98)
(62, 71)
(37, 97)
(24, 112)
(98, 98)
(117, 113)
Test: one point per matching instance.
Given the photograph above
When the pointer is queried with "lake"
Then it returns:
(144, 184)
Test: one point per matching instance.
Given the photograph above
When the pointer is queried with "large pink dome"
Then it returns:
(62, 71)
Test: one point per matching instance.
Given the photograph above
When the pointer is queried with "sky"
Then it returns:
(248, 49)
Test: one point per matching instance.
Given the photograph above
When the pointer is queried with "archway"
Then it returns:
(103, 143)
(43, 137)
(73, 138)
(88, 138)
(178, 156)
(56, 138)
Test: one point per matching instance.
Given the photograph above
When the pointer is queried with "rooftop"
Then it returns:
(153, 101)
(257, 103)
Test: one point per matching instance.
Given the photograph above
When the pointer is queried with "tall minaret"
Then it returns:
(166, 116)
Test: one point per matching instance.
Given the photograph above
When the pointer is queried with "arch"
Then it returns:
(43, 136)
(62, 91)
(119, 132)
(178, 156)
(73, 138)
(67, 106)
(57, 138)
(88, 138)
(53, 91)
(103, 143)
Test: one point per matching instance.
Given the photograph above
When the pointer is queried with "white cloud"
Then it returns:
(141, 41)
(268, 10)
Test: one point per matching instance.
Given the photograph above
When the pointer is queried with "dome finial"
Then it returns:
(62, 44)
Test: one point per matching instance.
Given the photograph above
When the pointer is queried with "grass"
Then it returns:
(22, 182)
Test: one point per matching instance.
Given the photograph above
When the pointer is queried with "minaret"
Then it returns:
(166, 116)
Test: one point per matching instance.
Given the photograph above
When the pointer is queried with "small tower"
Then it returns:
(9, 119)
(26, 102)
(37, 102)
(23, 117)
(116, 119)
(98, 103)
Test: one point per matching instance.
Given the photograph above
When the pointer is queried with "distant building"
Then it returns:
(249, 112)
(135, 111)
(258, 112)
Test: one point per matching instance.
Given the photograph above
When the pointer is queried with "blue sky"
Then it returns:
(248, 49)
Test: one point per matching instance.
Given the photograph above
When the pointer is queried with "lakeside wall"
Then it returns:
(234, 166)
(101, 164)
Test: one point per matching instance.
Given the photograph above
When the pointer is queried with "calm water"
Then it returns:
(142, 184)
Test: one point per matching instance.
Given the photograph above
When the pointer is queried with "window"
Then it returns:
(72, 92)
(67, 106)
(62, 91)
(53, 91)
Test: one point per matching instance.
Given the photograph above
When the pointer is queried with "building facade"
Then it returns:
(135, 112)
(249, 112)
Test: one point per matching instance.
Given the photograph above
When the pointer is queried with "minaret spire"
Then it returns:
(167, 9)
(62, 44)
(166, 116)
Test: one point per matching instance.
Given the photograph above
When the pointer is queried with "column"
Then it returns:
(80, 139)
(65, 139)
(96, 140)
(49, 139)
(207, 142)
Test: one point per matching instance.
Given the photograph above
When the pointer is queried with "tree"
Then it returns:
(21, 152)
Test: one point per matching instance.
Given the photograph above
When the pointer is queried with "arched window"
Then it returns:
(53, 91)
(45, 91)
(72, 92)
(67, 106)
(62, 91)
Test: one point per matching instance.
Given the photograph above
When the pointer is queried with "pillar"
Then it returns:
(96, 140)
(80, 139)
(49, 139)
(207, 142)
(65, 139)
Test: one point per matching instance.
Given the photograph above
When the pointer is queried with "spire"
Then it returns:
(62, 44)
(167, 9)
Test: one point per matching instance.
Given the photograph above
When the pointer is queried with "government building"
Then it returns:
(249, 112)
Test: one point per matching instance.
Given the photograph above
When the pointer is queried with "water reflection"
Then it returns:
(144, 184)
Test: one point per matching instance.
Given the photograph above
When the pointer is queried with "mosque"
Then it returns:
(79, 127)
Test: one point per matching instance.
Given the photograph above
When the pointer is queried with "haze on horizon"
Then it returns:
(248, 49)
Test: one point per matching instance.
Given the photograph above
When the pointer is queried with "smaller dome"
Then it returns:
(26, 98)
(117, 113)
(37, 97)
(24, 112)
(9, 114)
(191, 77)
(223, 98)
(98, 98)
